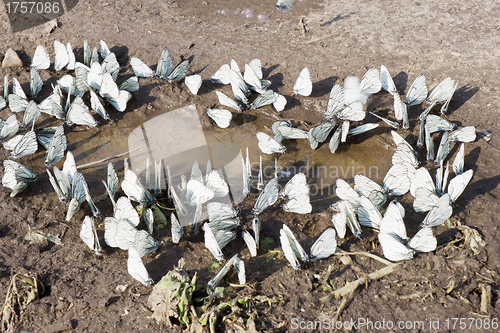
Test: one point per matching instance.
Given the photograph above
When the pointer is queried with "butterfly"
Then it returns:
(303, 84)
(79, 114)
(439, 213)
(239, 266)
(193, 82)
(443, 92)
(395, 244)
(345, 216)
(134, 190)
(268, 145)
(335, 102)
(137, 269)
(78, 194)
(41, 59)
(164, 69)
(17, 176)
(88, 234)
(266, 98)
(359, 91)
(227, 101)
(325, 246)
(296, 192)
(56, 148)
(177, 230)
(396, 183)
(284, 5)
(267, 197)
(215, 242)
(221, 117)
(319, 133)
(22, 145)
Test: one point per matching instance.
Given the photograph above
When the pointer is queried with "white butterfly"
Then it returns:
(391, 123)
(79, 114)
(252, 79)
(134, 190)
(284, 5)
(335, 140)
(360, 91)
(31, 115)
(226, 101)
(119, 233)
(277, 133)
(335, 102)
(280, 102)
(78, 195)
(361, 129)
(267, 197)
(125, 210)
(458, 183)
(405, 155)
(250, 242)
(217, 184)
(325, 246)
(193, 82)
(464, 134)
(268, 145)
(443, 92)
(36, 82)
(345, 192)
(88, 234)
(211, 243)
(163, 68)
(86, 53)
(144, 243)
(181, 209)
(222, 75)
(61, 58)
(439, 213)
(437, 123)
(260, 177)
(245, 177)
(136, 268)
(17, 176)
(149, 219)
(395, 243)
(104, 49)
(22, 145)
(110, 65)
(40, 59)
(417, 92)
(177, 230)
(197, 193)
(296, 192)
(239, 266)
(396, 183)
(303, 84)
(458, 163)
(288, 132)
(266, 98)
(319, 133)
(352, 112)
(345, 216)
(111, 183)
(131, 84)
(386, 81)
(239, 87)
(56, 148)
(221, 117)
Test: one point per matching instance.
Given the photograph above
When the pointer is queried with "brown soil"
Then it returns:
(456, 39)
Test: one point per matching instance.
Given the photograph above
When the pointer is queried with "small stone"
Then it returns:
(11, 59)
(49, 27)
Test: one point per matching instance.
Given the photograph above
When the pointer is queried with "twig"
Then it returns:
(106, 159)
(342, 306)
(485, 297)
(362, 280)
(382, 260)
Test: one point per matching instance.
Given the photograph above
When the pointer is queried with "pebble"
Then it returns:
(11, 60)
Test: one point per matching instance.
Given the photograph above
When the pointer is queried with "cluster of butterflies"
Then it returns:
(242, 85)
(360, 205)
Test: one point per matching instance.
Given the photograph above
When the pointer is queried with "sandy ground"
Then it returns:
(457, 39)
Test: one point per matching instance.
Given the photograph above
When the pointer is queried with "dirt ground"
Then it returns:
(333, 39)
